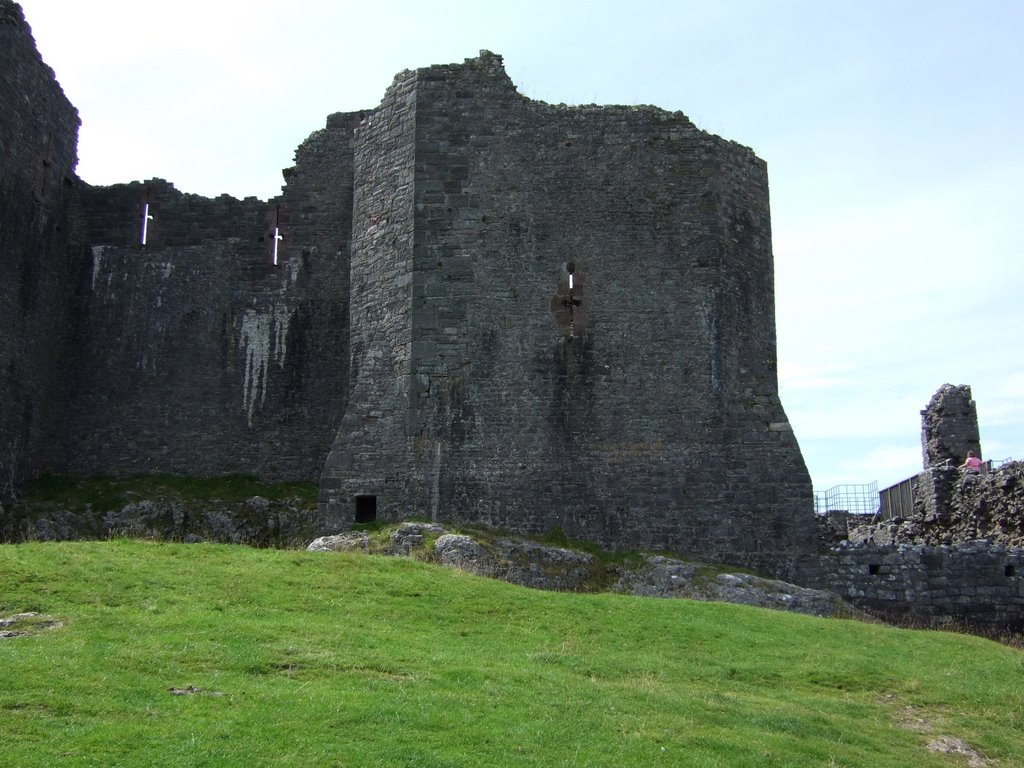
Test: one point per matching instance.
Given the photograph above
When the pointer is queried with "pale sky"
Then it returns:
(892, 132)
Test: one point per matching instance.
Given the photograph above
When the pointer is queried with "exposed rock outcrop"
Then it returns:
(543, 566)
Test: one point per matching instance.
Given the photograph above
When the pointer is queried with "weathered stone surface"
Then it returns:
(667, 577)
(28, 623)
(349, 541)
(949, 427)
(256, 521)
(409, 536)
(542, 566)
(951, 745)
(518, 561)
(462, 552)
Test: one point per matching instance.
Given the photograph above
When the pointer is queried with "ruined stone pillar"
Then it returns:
(949, 427)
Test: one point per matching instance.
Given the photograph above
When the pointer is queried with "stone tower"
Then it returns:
(563, 318)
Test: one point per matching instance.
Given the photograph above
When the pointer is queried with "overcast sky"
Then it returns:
(892, 131)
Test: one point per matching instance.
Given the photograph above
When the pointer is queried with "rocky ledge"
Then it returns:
(543, 566)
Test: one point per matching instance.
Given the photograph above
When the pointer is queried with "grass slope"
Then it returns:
(306, 659)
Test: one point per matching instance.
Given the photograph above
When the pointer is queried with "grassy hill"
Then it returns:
(210, 655)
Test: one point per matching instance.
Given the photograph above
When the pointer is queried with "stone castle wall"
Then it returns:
(647, 417)
(39, 270)
(652, 419)
(199, 355)
(113, 216)
(192, 354)
(973, 583)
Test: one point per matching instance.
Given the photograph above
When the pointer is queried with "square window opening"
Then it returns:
(1010, 570)
(874, 568)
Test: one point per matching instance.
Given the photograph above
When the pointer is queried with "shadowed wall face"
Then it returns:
(202, 356)
(38, 268)
(648, 416)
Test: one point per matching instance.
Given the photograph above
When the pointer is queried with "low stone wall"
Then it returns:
(976, 583)
(956, 557)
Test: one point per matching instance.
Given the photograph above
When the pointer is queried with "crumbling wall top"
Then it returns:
(949, 427)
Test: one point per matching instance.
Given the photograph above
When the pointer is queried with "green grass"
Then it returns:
(313, 659)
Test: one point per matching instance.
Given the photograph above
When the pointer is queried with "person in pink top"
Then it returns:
(972, 463)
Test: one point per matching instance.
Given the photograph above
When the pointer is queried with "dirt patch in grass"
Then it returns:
(24, 624)
(914, 719)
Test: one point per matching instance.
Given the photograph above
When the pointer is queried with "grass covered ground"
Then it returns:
(289, 658)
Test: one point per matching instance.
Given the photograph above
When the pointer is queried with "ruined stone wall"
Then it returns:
(954, 506)
(949, 427)
(113, 216)
(198, 355)
(38, 268)
(652, 419)
(956, 552)
(973, 582)
(192, 353)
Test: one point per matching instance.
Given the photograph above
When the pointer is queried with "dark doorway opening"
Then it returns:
(366, 509)
(1010, 570)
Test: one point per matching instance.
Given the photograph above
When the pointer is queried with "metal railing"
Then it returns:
(855, 499)
(895, 501)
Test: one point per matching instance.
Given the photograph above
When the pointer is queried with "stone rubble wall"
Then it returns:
(955, 506)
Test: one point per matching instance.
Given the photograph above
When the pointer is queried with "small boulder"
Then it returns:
(348, 541)
(458, 551)
(409, 536)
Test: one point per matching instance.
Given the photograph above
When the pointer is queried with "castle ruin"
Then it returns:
(484, 309)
